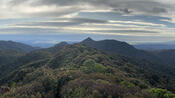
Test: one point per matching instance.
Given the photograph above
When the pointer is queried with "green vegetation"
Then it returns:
(90, 66)
(162, 93)
(77, 71)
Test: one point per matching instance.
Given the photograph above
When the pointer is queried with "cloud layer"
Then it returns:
(58, 8)
(95, 17)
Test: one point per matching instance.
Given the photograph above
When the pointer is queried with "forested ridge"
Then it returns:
(83, 71)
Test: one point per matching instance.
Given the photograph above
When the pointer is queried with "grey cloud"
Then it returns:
(125, 10)
(71, 22)
(126, 6)
(21, 29)
(51, 24)
(24, 30)
(17, 2)
(146, 6)
(125, 31)
(159, 10)
(55, 13)
(86, 20)
(36, 31)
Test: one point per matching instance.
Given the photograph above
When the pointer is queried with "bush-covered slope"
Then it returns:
(77, 71)
(8, 56)
(120, 48)
(166, 56)
(11, 60)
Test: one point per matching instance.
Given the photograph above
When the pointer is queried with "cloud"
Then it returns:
(63, 22)
(159, 10)
(126, 31)
(87, 20)
(88, 17)
(89, 25)
(125, 10)
(24, 9)
(151, 7)
(27, 30)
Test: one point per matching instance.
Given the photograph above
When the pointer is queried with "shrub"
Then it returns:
(77, 93)
(90, 66)
(162, 93)
(127, 84)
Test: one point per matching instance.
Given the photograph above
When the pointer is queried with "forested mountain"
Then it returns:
(167, 56)
(21, 59)
(121, 48)
(8, 56)
(164, 57)
(165, 53)
(79, 71)
(10, 45)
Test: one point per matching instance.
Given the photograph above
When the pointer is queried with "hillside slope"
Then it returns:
(78, 71)
(10, 45)
(8, 56)
(10, 60)
(167, 56)
(120, 48)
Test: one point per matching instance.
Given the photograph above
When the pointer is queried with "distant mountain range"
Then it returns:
(10, 51)
(122, 48)
(118, 47)
(111, 46)
(95, 69)
(153, 47)
(10, 45)
(45, 44)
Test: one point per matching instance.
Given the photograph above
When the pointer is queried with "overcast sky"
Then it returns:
(51, 21)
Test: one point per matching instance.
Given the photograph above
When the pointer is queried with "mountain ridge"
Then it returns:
(121, 48)
(78, 71)
(87, 66)
(20, 47)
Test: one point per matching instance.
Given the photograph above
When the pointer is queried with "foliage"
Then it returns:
(162, 93)
(77, 71)
(91, 66)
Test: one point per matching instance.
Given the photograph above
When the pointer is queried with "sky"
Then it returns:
(52, 21)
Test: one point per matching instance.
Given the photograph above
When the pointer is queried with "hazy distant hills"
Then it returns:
(153, 47)
(10, 45)
(167, 56)
(44, 44)
(94, 69)
(165, 52)
(10, 51)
